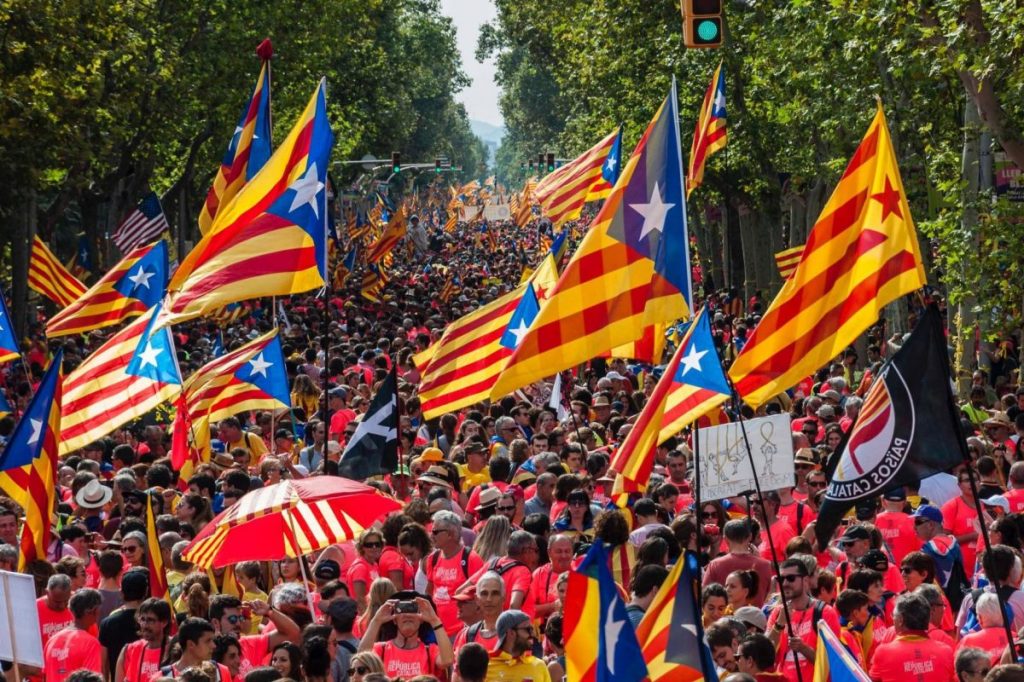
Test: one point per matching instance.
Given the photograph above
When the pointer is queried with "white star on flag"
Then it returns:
(373, 426)
(259, 366)
(150, 354)
(610, 163)
(37, 431)
(519, 332)
(612, 629)
(654, 212)
(306, 190)
(141, 278)
(692, 360)
(719, 101)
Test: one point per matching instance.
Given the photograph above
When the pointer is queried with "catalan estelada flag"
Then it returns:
(467, 360)
(49, 277)
(861, 255)
(692, 385)
(157, 574)
(132, 287)
(671, 634)
(562, 193)
(524, 214)
(251, 377)
(113, 386)
(271, 240)
(600, 644)
(630, 271)
(392, 234)
(28, 464)
(249, 148)
(709, 136)
(833, 662)
(9, 349)
(786, 261)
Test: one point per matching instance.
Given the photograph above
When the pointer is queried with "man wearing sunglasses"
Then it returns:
(226, 616)
(804, 613)
(513, 658)
(896, 525)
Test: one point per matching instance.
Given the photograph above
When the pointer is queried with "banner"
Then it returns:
(725, 468)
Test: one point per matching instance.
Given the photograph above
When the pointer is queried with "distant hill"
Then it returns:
(490, 134)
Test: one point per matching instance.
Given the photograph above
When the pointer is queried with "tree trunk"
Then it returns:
(965, 351)
(748, 241)
(22, 229)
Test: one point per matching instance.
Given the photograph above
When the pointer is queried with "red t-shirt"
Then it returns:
(545, 582)
(898, 530)
(51, 622)
(1016, 500)
(254, 649)
(781, 533)
(802, 628)
(340, 419)
(392, 560)
(462, 638)
(69, 650)
(361, 570)
(517, 579)
(446, 575)
(959, 518)
(141, 663)
(913, 658)
(720, 568)
(406, 663)
(990, 640)
(797, 519)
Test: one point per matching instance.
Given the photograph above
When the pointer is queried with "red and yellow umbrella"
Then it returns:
(290, 518)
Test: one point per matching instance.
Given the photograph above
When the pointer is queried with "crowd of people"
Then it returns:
(468, 581)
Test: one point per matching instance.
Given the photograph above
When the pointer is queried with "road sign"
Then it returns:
(369, 161)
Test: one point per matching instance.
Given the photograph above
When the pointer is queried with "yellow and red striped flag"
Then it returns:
(374, 280)
(133, 286)
(562, 193)
(710, 135)
(28, 464)
(861, 255)
(396, 229)
(154, 557)
(249, 148)
(786, 261)
(692, 385)
(526, 201)
(630, 271)
(105, 391)
(271, 240)
(251, 377)
(49, 277)
(467, 360)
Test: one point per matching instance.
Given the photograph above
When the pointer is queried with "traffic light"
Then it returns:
(702, 23)
(551, 162)
(437, 165)
(540, 162)
(531, 166)
(396, 162)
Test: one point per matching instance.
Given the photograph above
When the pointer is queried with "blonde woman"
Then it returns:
(363, 570)
(362, 664)
(305, 395)
(379, 593)
(493, 539)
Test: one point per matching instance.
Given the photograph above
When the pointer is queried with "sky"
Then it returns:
(480, 98)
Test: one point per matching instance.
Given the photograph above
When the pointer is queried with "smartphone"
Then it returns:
(407, 607)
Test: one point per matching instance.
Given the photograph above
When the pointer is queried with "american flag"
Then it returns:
(144, 224)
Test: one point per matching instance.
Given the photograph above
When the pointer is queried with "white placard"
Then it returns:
(18, 610)
(725, 467)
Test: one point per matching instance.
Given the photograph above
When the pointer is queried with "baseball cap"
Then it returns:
(328, 569)
(896, 495)
(137, 578)
(876, 559)
(752, 616)
(468, 595)
(927, 511)
(854, 533)
(343, 608)
(508, 621)
(998, 501)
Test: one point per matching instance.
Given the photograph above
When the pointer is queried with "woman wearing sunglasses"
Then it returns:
(576, 519)
(364, 570)
(362, 664)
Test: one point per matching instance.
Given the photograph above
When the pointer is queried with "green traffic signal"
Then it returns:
(708, 30)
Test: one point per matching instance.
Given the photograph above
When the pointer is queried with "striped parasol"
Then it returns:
(290, 518)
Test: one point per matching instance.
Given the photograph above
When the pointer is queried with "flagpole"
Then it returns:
(696, 494)
(767, 530)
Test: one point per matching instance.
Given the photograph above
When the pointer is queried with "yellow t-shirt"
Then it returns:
(251, 442)
(254, 625)
(471, 480)
(504, 668)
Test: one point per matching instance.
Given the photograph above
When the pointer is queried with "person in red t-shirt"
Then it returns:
(341, 413)
(75, 648)
(226, 616)
(490, 596)
(545, 578)
(802, 613)
(1015, 488)
(896, 526)
(992, 637)
(54, 614)
(516, 570)
(780, 531)
(448, 567)
(140, 661)
(912, 656)
(195, 636)
(406, 655)
(364, 570)
(960, 519)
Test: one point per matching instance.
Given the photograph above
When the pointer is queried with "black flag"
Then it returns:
(373, 448)
(908, 428)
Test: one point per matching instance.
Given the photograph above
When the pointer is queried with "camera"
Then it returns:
(407, 607)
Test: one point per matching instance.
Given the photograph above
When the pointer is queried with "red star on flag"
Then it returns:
(890, 200)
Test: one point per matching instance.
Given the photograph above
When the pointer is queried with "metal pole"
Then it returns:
(696, 495)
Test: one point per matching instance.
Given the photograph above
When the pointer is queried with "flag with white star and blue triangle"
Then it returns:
(9, 349)
(612, 167)
(630, 272)
(130, 288)
(251, 377)
(271, 240)
(692, 385)
(373, 448)
(156, 357)
(710, 133)
(218, 345)
(600, 642)
(28, 463)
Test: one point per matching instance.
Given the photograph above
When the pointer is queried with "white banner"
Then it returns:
(19, 620)
(724, 465)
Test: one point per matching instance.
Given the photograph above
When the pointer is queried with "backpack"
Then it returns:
(473, 630)
(435, 556)
(819, 610)
(957, 587)
(502, 570)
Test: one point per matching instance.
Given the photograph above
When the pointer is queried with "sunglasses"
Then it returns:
(130, 550)
(507, 509)
(438, 531)
(372, 545)
(906, 570)
(578, 503)
(235, 620)
(920, 521)
(817, 484)
(708, 515)
(792, 578)
(358, 670)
